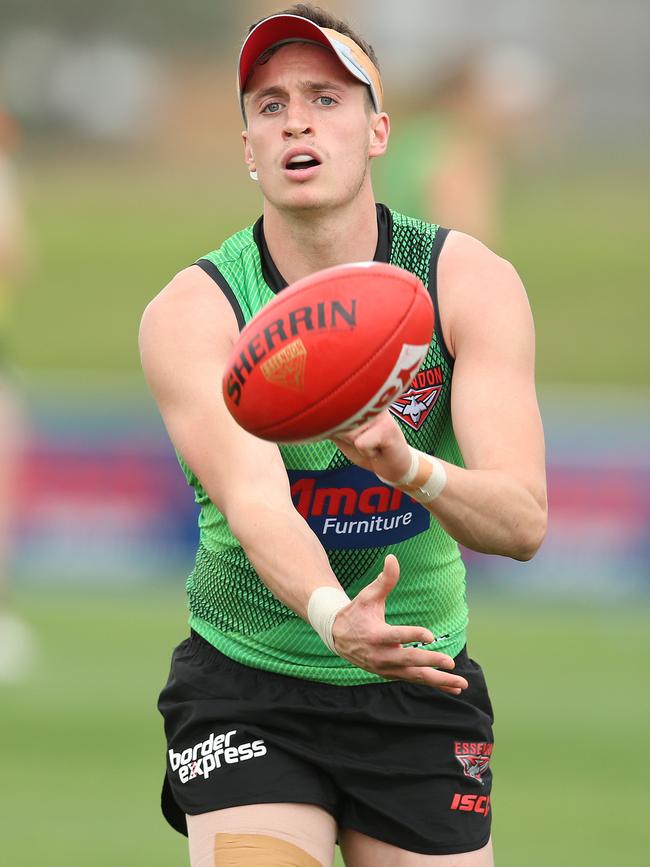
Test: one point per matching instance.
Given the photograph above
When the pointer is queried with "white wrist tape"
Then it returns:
(424, 480)
(323, 606)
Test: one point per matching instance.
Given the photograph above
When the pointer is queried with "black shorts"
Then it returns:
(403, 763)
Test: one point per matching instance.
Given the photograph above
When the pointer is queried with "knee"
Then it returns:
(259, 850)
(262, 835)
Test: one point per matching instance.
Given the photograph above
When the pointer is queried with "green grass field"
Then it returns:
(108, 234)
(82, 750)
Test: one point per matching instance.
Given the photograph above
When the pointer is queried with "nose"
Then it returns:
(297, 122)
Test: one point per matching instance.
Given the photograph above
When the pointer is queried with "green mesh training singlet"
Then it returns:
(358, 518)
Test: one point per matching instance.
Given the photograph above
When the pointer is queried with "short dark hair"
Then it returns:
(323, 18)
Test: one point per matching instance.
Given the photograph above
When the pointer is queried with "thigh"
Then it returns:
(269, 835)
(360, 850)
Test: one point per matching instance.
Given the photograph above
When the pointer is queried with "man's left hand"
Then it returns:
(378, 446)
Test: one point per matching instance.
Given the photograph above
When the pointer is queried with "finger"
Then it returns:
(450, 689)
(342, 439)
(407, 635)
(372, 435)
(421, 677)
(415, 655)
(385, 582)
(348, 449)
(369, 444)
(428, 677)
(391, 568)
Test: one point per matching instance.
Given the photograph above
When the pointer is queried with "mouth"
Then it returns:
(301, 165)
(301, 162)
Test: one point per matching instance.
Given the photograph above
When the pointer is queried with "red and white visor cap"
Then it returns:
(280, 29)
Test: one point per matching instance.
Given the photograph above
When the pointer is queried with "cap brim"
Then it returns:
(288, 28)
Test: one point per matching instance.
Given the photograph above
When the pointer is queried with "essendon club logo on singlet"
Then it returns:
(419, 399)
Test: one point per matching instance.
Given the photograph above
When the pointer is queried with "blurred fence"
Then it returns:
(104, 502)
(102, 499)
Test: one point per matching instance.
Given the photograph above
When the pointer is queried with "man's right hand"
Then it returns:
(362, 636)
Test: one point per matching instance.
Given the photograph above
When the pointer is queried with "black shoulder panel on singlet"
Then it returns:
(212, 271)
(438, 242)
(274, 280)
(384, 234)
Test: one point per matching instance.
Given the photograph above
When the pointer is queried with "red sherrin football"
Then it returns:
(329, 352)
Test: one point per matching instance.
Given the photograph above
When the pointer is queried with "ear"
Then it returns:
(249, 159)
(379, 133)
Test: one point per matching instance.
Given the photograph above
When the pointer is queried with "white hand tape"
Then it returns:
(323, 606)
(424, 480)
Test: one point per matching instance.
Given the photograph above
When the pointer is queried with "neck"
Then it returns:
(310, 240)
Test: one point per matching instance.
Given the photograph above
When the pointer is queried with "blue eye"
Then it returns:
(272, 108)
(326, 100)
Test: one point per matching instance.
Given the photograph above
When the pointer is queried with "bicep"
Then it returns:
(233, 466)
(494, 404)
(185, 339)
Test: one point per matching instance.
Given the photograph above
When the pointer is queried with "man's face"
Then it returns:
(310, 130)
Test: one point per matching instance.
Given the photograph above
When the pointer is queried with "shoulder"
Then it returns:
(196, 302)
(464, 258)
(188, 289)
(477, 290)
(188, 308)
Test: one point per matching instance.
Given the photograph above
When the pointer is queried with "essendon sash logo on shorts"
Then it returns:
(419, 399)
(474, 758)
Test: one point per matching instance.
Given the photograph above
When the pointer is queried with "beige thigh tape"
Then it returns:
(259, 850)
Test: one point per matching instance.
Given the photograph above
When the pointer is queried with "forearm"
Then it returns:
(490, 511)
(285, 553)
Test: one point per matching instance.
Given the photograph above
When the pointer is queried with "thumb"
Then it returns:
(370, 439)
(387, 579)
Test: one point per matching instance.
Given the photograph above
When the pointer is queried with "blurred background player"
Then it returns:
(16, 643)
(449, 160)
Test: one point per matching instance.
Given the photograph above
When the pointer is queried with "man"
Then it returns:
(314, 700)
